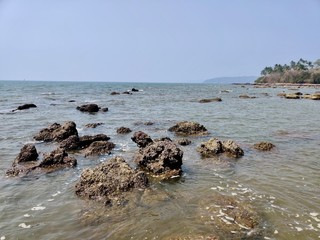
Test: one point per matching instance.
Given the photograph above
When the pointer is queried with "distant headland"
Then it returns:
(230, 80)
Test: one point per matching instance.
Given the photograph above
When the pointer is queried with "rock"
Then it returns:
(161, 158)
(91, 108)
(233, 218)
(127, 92)
(26, 106)
(208, 100)
(231, 148)
(56, 132)
(105, 109)
(123, 130)
(141, 139)
(86, 140)
(71, 143)
(99, 148)
(93, 125)
(57, 159)
(188, 128)
(263, 146)
(282, 94)
(245, 96)
(134, 90)
(183, 141)
(110, 182)
(210, 148)
(114, 93)
(292, 96)
(27, 153)
(315, 96)
(72, 101)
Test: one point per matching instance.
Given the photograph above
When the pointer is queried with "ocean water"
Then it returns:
(283, 185)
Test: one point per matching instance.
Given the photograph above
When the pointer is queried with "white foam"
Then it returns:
(23, 225)
(26, 215)
(299, 229)
(2, 237)
(38, 208)
(56, 194)
(314, 214)
(50, 200)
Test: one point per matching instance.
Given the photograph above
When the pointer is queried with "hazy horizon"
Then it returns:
(153, 41)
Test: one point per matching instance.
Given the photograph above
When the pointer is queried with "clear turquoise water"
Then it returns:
(284, 184)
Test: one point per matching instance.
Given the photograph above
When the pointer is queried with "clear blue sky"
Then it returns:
(153, 41)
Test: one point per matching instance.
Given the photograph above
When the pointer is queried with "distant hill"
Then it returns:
(229, 80)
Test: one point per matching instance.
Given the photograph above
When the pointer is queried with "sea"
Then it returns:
(282, 185)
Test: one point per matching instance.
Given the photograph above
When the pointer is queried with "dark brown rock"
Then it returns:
(110, 182)
(86, 140)
(27, 153)
(231, 148)
(99, 148)
(161, 158)
(114, 93)
(71, 143)
(141, 139)
(134, 90)
(183, 141)
(91, 108)
(210, 148)
(263, 146)
(188, 128)
(208, 100)
(93, 125)
(57, 159)
(26, 106)
(123, 130)
(56, 132)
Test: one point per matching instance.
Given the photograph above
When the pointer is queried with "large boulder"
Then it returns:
(91, 108)
(110, 181)
(263, 146)
(56, 132)
(141, 139)
(99, 148)
(188, 128)
(215, 147)
(27, 153)
(161, 158)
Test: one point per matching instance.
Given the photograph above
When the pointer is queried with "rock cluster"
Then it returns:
(57, 132)
(214, 147)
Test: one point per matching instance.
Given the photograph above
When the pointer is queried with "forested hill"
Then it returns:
(302, 71)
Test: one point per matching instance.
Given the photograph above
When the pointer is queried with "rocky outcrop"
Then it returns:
(188, 128)
(263, 146)
(99, 148)
(56, 132)
(78, 143)
(183, 141)
(27, 153)
(215, 147)
(25, 106)
(208, 100)
(57, 159)
(110, 182)
(91, 108)
(123, 130)
(162, 158)
(141, 139)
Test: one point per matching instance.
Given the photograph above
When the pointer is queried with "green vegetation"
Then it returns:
(302, 71)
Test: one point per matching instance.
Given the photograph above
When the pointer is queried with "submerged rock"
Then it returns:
(141, 139)
(56, 132)
(114, 93)
(93, 125)
(263, 146)
(183, 141)
(188, 128)
(110, 181)
(91, 108)
(162, 158)
(25, 106)
(99, 148)
(208, 100)
(214, 147)
(123, 130)
(57, 159)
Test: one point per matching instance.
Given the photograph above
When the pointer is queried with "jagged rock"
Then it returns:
(99, 148)
(210, 148)
(263, 146)
(93, 125)
(214, 147)
(25, 106)
(141, 139)
(56, 132)
(71, 143)
(208, 100)
(231, 148)
(183, 141)
(27, 153)
(161, 158)
(57, 159)
(91, 108)
(123, 130)
(110, 181)
(188, 128)
(77, 143)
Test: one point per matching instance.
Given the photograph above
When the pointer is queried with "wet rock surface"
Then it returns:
(264, 146)
(183, 142)
(161, 158)
(91, 108)
(214, 147)
(25, 106)
(78, 143)
(123, 130)
(208, 100)
(57, 132)
(57, 159)
(27, 153)
(188, 128)
(93, 125)
(141, 139)
(98, 148)
(110, 181)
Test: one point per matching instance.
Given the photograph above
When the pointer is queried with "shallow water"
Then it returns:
(282, 185)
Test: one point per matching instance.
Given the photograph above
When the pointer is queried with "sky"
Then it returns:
(153, 41)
